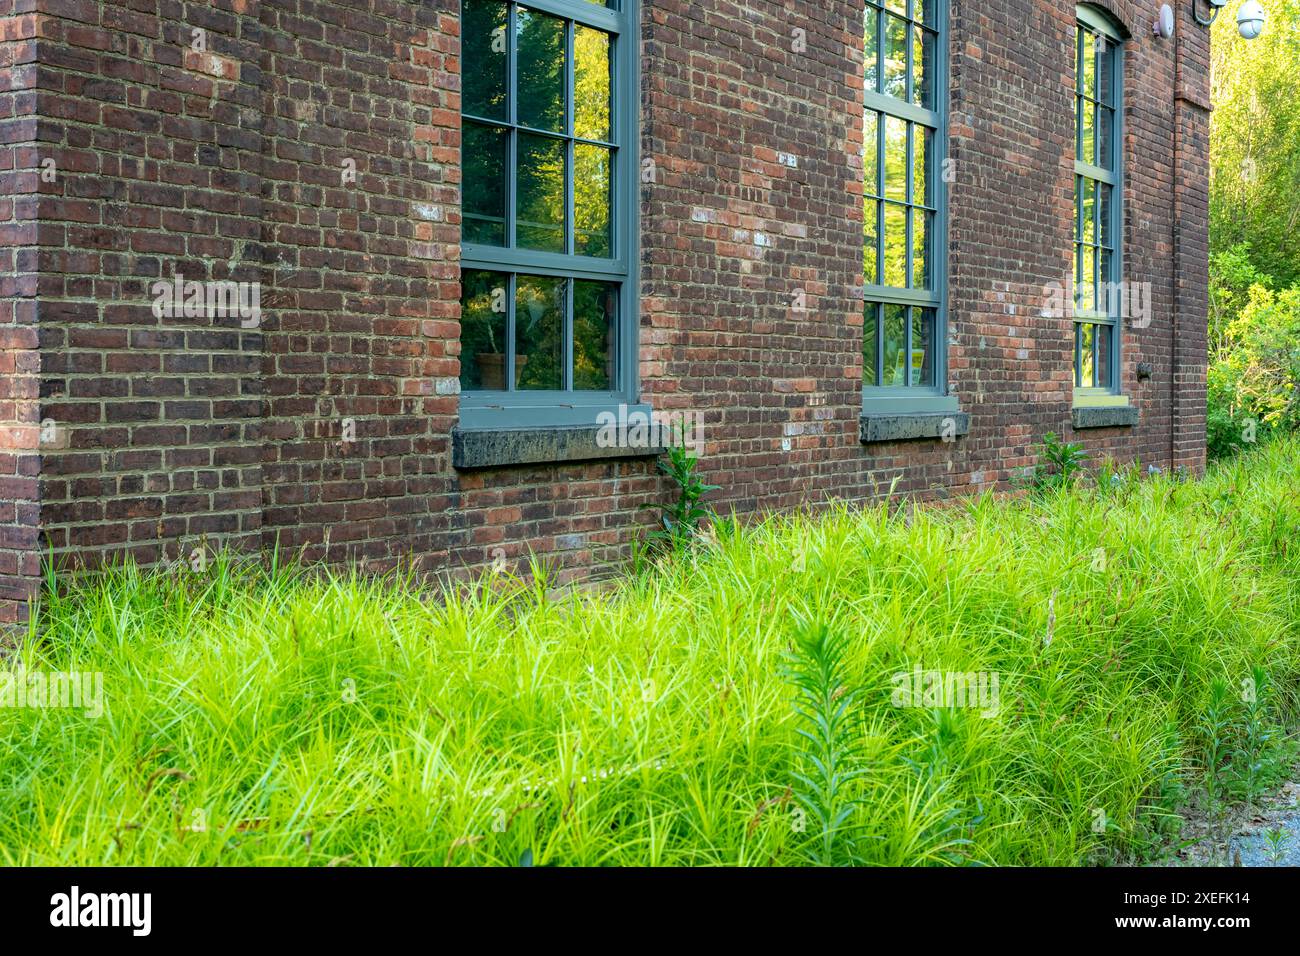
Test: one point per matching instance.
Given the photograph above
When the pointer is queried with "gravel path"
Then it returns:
(1242, 838)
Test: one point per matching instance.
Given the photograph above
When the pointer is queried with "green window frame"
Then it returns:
(1098, 291)
(905, 147)
(549, 112)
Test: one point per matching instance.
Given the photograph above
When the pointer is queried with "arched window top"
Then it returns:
(1102, 21)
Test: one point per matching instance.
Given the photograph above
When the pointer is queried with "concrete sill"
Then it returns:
(496, 447)
(1103, 416)
(880, 427)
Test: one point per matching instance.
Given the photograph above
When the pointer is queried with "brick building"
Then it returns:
(363, 276)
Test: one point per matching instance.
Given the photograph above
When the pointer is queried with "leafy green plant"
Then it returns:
(1276, 840)
(1060, 466)
(826, 755)
(1216, 730)
(1255, 740)
(684, 519)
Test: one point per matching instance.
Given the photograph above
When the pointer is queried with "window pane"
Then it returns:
(1088, 79)
(871, 255)
(542, 72)
(1079, 39)
(1087, 135)
(1088, 288)
(1102, 359)
(1086, 366)
(923, 10)
(871, 46)
(1078, 203)
(895, 245)
(870, 322)
(895, 345)
(922, 364)
(870, 156)
(922, 140)
(483, 300)
(484, 40)
(592, 176)
(922, 64)
(591, 83)
(1104, 198)
(483, 155)
(895, 41)
(895, 158)
(539, 331)
(922, 226)
(1105, 141)
(540, 187)
(1105, 63)
(899, 5)
(1109, 298)
(595, 306)
(1089, 211)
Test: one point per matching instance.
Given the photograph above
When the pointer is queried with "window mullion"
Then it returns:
(512, 115)
(570, 222)
(509, 384)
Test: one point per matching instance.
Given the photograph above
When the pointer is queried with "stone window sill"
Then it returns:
(894, 426)
(497, 447)
(1103, 416)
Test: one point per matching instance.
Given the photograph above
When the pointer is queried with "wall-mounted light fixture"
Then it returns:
(1250, 18)
(1164, 25)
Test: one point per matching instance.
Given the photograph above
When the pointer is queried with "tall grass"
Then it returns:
(271, 716)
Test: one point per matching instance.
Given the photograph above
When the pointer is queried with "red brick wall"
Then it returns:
(327, 427)
(19, 357)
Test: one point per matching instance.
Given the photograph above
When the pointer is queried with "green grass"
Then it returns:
(277, 716)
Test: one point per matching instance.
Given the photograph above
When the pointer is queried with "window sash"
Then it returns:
(617, 269)
(933, 296)
(1090, 24)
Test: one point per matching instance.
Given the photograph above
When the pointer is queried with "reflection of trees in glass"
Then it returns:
(869, 323)
(483, 58)
(482, 322)
(895, 245)
(540, 186)
(541, 47)
(591, 84)
(591, 200)
(484, 152)
(595, 305)
(539, 331)
(555, 148)
(895, 345)
(593, 165)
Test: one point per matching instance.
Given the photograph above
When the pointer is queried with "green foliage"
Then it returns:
(1253, 385)
(327, 718)
(685, 518)
(1255, 140)
(1253, 382)
(1060, 466)
(826, 751)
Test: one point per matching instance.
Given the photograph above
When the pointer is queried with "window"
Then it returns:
(548, 207)
(904, 143)
(1098, 292)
